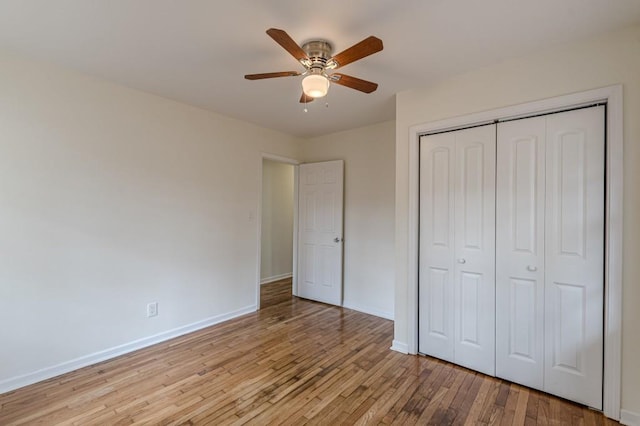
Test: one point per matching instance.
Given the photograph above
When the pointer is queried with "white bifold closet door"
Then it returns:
(520, 215)
(550, 253)
(457, 247)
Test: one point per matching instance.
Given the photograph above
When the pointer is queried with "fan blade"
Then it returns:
(283, 39)
(305, 99)
(366, 47)
(354, 83)
(271, 75)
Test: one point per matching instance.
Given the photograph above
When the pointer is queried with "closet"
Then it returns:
(512, 251)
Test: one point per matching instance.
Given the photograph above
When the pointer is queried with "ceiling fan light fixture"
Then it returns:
(315, 85)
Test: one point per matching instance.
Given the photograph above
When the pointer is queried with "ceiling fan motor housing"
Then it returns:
(319, 53)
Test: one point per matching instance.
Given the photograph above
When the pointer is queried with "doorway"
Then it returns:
(277, 231)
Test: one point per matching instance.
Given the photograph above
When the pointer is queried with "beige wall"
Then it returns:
(111, 198)
(368, 154)
(276, 254)
(607, 60)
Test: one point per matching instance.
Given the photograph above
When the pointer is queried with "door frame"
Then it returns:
(613, 96)
(295, 163)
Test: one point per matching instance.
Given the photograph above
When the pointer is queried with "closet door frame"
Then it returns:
(612, 96)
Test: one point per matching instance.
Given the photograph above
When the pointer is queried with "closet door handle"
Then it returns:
(531, 268)
(462, 260)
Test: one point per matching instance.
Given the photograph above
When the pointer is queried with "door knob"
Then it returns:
(531, 268)
(462, 261)
(336, 240)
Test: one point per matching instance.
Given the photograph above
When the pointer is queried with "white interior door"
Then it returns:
(457, 249)
(474, 230)
(320, 221)
(437, 180)
(574, 255)
(520, 212)
(550, 253)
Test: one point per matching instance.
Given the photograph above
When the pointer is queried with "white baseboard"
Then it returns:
(367, 310)
(268, 280)
(629, 418)
(84, 361)
(401, 347)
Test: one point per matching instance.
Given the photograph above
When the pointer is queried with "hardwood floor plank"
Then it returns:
(293, 362)
(521, 407)
(532, 405)
(544, 410)
(444, 414)
(465, 398)
(478, 401)
(423, 411)
(388, 396)
(489, 402)
(509, 412)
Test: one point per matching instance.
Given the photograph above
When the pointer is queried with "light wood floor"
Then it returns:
(293, 362)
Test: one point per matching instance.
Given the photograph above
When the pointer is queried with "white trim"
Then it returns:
(279, 158)
(398, 346)
(275, 278)
(613, 244)
(629, 418)
(413, 241)
(94, 358)
(296, 173)
(294, 163)
(367, 310)
(259, 231)
(613, 256)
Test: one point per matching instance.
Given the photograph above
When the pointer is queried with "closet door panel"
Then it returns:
(474, 234)
(436, 273)
(574, 253)
(520, 251)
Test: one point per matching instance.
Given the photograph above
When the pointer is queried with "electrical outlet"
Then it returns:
(152, 309)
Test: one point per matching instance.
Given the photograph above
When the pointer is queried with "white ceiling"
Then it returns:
(197, 51)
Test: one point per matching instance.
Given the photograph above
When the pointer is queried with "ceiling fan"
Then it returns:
(315, 56)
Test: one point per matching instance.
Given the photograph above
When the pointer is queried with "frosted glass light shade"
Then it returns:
(315, 85)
